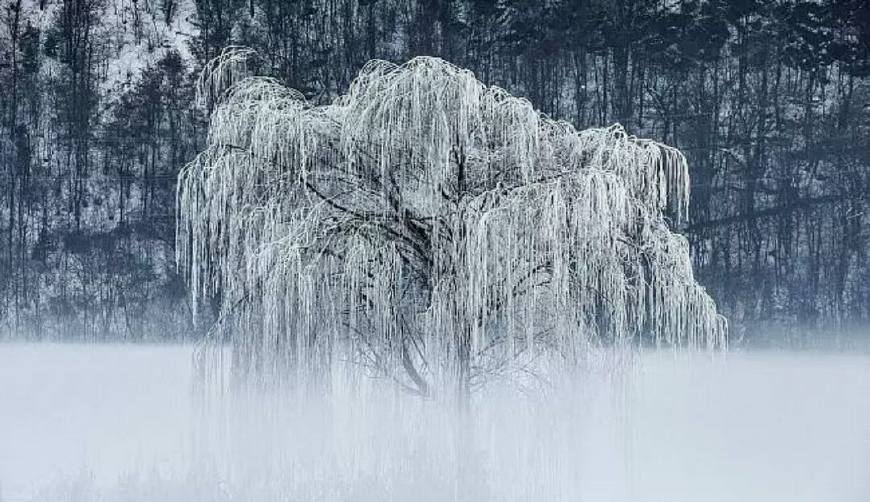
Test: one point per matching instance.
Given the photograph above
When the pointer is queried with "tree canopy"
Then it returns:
(429, 228)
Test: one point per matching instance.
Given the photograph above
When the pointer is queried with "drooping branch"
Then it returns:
(437, 225)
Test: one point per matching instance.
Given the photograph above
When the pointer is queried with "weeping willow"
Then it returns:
(428, 228)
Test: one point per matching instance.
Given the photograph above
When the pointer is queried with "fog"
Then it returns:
(122, 423)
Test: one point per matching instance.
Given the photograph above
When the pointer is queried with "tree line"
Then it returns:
(767, 99)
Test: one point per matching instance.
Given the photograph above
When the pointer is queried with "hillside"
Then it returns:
(769, 101)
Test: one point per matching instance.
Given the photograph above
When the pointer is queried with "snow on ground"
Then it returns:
(108, 422)
(140, 36)
(135, 34)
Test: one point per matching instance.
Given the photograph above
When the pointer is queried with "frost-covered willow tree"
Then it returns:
(430, 228)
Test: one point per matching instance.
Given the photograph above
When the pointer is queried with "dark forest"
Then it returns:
(768, 99)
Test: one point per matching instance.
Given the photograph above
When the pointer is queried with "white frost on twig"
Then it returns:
(427, 226)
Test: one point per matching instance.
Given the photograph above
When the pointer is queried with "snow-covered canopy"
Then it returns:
(426, 226)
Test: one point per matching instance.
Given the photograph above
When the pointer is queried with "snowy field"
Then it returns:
(119, 423)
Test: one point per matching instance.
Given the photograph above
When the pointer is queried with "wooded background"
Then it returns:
(769, 100)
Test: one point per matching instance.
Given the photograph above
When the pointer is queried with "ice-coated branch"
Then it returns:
(429, 227)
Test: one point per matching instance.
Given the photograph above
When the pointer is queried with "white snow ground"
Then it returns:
(118, 423)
